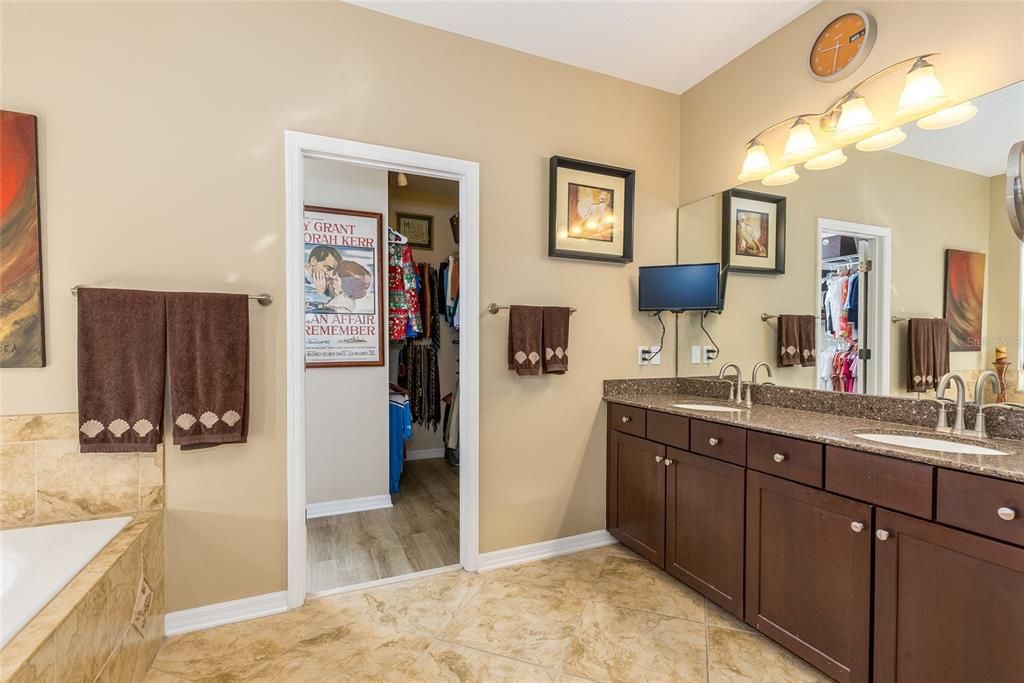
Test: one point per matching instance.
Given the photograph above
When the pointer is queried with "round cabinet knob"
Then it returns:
(713, 441)
(625, 419)
(882, 535)
(658, 458)
(857, 527)
(1009, 514)
(668, 461)
(779, 457)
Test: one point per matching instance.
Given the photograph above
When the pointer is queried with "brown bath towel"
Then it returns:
(524, 339)
(796, 335)
(208, 347)
(927, 353)
(121, 357)
(556, 340)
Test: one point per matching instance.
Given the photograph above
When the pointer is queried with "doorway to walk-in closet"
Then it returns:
(382, 433)
(853, 306)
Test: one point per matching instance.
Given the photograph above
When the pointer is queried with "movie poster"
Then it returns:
(344, 287)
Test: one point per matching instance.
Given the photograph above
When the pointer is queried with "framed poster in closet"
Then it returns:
(343, 268)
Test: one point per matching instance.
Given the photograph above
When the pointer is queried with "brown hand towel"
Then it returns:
(208, 347)
(940, 340)
(122, 352)
(524, 339)
(922, 372)
(556, 340)
(789, 340)
(808, 341)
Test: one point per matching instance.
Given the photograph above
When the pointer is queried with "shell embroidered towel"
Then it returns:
(208, 348)
(789, 340)
(122, 352)
(524, 339)
(556, 340)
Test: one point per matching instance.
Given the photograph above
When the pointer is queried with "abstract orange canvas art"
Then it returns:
(21, 276)
(965, 299)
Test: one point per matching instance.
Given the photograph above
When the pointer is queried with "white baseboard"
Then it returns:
(208, 616)
(341, 507)
(425, 454)
(544, 550)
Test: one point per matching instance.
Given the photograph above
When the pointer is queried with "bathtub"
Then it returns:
(36, 562)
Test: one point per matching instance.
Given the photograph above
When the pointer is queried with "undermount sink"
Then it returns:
(929, 443)
(707, 407)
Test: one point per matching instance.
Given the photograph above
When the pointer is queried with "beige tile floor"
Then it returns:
(598, 615)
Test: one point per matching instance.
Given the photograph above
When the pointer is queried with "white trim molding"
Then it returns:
(347, 505)
(424, 454)
(299, 146)
(544, 550)
(208, 616)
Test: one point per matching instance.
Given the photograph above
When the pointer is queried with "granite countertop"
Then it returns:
(840, 431)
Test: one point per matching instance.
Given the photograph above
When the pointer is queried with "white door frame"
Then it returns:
(298, 146)
(882, 288)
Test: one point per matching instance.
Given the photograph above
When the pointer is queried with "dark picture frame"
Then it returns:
(775, 257)
(382, 314)
(609, 246)
(415, 243)
(964, 299)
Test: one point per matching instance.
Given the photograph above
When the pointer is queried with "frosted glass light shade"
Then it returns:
(783, 176)
(826, 161)
(856, 121)
(948, 117)
(801, 144)
(756, 165)
(922, 94)
(883, 140)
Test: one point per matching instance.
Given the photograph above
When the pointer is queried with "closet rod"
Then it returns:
(494, 308)
(765, 317)
(263, 299)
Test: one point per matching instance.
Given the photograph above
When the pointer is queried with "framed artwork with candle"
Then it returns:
(590, 211)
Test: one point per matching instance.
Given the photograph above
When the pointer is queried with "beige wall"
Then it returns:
(928, 207)
(980, 44)
(441, 207)
(346, 408)
(161, 130)
(1004, 278)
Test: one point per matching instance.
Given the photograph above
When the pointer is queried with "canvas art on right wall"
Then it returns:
(965, 298)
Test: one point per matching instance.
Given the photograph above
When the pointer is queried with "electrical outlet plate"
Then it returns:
(709, 354)
(645, 353)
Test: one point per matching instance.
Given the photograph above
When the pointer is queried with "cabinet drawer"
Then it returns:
(627, 419)
(673, 430)
(981, 504)
(894, 484)
(784, 457)
(719, 441)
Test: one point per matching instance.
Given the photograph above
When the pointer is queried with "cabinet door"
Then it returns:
(636, 495)
(809, 573)
(704, 543)
(949, 606)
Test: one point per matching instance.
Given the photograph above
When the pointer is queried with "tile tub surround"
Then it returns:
(838, 430)
(43, 477)
(597, 615)
(1003, 423)
(86, 632)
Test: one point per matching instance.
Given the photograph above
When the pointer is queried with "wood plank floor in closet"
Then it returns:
(420, 532)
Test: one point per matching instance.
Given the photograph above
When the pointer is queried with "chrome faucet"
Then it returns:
(961, 398)
(753, 380)
(735, 392)
(980, 429)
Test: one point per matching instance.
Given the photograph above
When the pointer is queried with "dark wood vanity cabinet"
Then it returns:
(704, 534)
(636, 494)
(809, 573)
(848, 559)
(949, 605)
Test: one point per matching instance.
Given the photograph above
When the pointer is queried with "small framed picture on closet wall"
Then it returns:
(591, 211)
(418, 228)
(753, 232)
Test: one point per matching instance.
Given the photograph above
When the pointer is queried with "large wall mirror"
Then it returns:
(916, 231)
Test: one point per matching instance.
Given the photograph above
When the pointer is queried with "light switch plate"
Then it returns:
(695, 355)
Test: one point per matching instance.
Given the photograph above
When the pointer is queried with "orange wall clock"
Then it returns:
(842, 46)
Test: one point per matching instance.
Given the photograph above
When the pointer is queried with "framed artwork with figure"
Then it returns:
(753, 232)
(590, 211)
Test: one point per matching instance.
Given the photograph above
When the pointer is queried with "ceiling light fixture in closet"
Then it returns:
(402, 180)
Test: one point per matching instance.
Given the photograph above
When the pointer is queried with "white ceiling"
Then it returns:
(668, 44)
(982, 144)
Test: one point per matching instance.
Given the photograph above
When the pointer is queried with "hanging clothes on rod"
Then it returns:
(404, 319)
